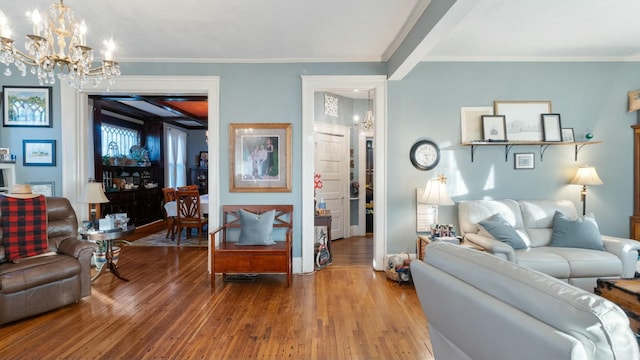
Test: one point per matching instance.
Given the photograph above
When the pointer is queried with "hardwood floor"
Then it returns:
(168, 310)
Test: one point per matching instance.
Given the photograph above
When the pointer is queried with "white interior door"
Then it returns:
(332, 163)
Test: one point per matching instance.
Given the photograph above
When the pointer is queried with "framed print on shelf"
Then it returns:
(471, 122)
(522, 118)
(26, 106)
(551, 127)
(260, 157)
(45, 188)
(567, 135)
(493, 127)
(5, 154)
(523, 161)
(38, 152)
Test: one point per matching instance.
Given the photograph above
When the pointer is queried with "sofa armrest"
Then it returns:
(626, 250)
(493, 246)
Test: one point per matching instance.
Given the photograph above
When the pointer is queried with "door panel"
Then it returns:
(331, 162)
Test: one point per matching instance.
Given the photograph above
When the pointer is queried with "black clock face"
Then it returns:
(425, 155)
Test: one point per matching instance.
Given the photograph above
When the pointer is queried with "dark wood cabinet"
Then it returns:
(142, 206)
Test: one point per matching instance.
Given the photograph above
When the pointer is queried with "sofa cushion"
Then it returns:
(600, 325)
(540, 259)
(256, 229)
(499, 228)
(584, 263)
(33, 272)
(24, 226)
(580, 233)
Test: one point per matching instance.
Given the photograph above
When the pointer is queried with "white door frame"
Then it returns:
(310, 85)
(77, 149)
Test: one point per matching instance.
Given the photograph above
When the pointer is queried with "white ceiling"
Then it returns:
(353, 30)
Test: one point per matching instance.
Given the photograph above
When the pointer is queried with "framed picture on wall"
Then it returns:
(38, 152)
(567, 135)
(522, 118)
(260, 157)
(45, 188)
(471, 122)
(523, 161)
(26, 106)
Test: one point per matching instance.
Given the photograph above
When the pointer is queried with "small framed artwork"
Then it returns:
(494, 128)
(567, 135)
(523, 161)
(260, 157)
(5, 154)
(204, 159)
(38, 152)
(551, 127)
(27, 106)
(45, 188)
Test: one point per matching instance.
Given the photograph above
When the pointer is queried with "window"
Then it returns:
(117, 140)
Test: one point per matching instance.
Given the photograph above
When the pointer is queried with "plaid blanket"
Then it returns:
(24, 226)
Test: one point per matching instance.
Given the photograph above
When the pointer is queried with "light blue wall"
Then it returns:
(427, 104)
(11, 137)
(587, 95)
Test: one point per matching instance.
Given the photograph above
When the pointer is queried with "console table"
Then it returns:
(109, 237)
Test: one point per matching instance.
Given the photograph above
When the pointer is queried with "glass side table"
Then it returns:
(109, 237)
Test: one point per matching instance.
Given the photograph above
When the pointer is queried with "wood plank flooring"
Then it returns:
(168, 310)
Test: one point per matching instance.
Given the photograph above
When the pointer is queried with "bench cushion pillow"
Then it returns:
(256, 229)
(580, 233)
(499, 228)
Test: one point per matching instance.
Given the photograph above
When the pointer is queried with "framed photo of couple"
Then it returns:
(260, 157)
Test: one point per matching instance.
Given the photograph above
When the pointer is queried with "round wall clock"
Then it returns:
(425, 155)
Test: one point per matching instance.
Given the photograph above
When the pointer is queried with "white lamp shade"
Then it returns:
(435, 193)
(93, 194)
(587, 175)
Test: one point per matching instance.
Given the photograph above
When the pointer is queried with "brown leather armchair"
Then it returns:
(38, 284)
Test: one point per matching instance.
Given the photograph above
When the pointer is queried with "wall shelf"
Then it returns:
(508, 145)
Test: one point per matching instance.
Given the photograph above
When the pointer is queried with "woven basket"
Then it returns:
(390, 268)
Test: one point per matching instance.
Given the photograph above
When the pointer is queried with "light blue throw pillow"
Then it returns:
(256, 229)
(501, 230)
(580, 233)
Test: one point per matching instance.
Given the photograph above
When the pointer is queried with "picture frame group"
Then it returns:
(260, 157)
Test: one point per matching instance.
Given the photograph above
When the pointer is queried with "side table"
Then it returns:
(109, 237)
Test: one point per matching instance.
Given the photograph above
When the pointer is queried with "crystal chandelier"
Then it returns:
(57, 48)
(367, 123)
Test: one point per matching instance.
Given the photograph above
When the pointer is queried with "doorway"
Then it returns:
(75, 140)
(311, 85)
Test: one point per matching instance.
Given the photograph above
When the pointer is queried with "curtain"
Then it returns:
(176, 158)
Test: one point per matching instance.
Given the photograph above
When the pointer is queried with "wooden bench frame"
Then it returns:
(228, 257)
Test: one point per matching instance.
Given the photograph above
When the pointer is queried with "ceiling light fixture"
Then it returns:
(57, 48)
(367, 123)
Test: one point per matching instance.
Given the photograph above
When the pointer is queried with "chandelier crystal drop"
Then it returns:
(57, 49)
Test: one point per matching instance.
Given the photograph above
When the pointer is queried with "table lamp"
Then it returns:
(93, 195)
(586, 175)
(435, 194)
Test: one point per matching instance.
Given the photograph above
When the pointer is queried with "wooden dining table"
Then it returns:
(172, 210)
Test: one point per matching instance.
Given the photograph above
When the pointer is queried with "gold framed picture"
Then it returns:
(260, 157)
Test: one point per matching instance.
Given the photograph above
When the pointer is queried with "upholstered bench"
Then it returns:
(254, 239)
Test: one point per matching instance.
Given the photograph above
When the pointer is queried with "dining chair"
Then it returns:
(189, 212)
(188, 187)
(169, 194)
